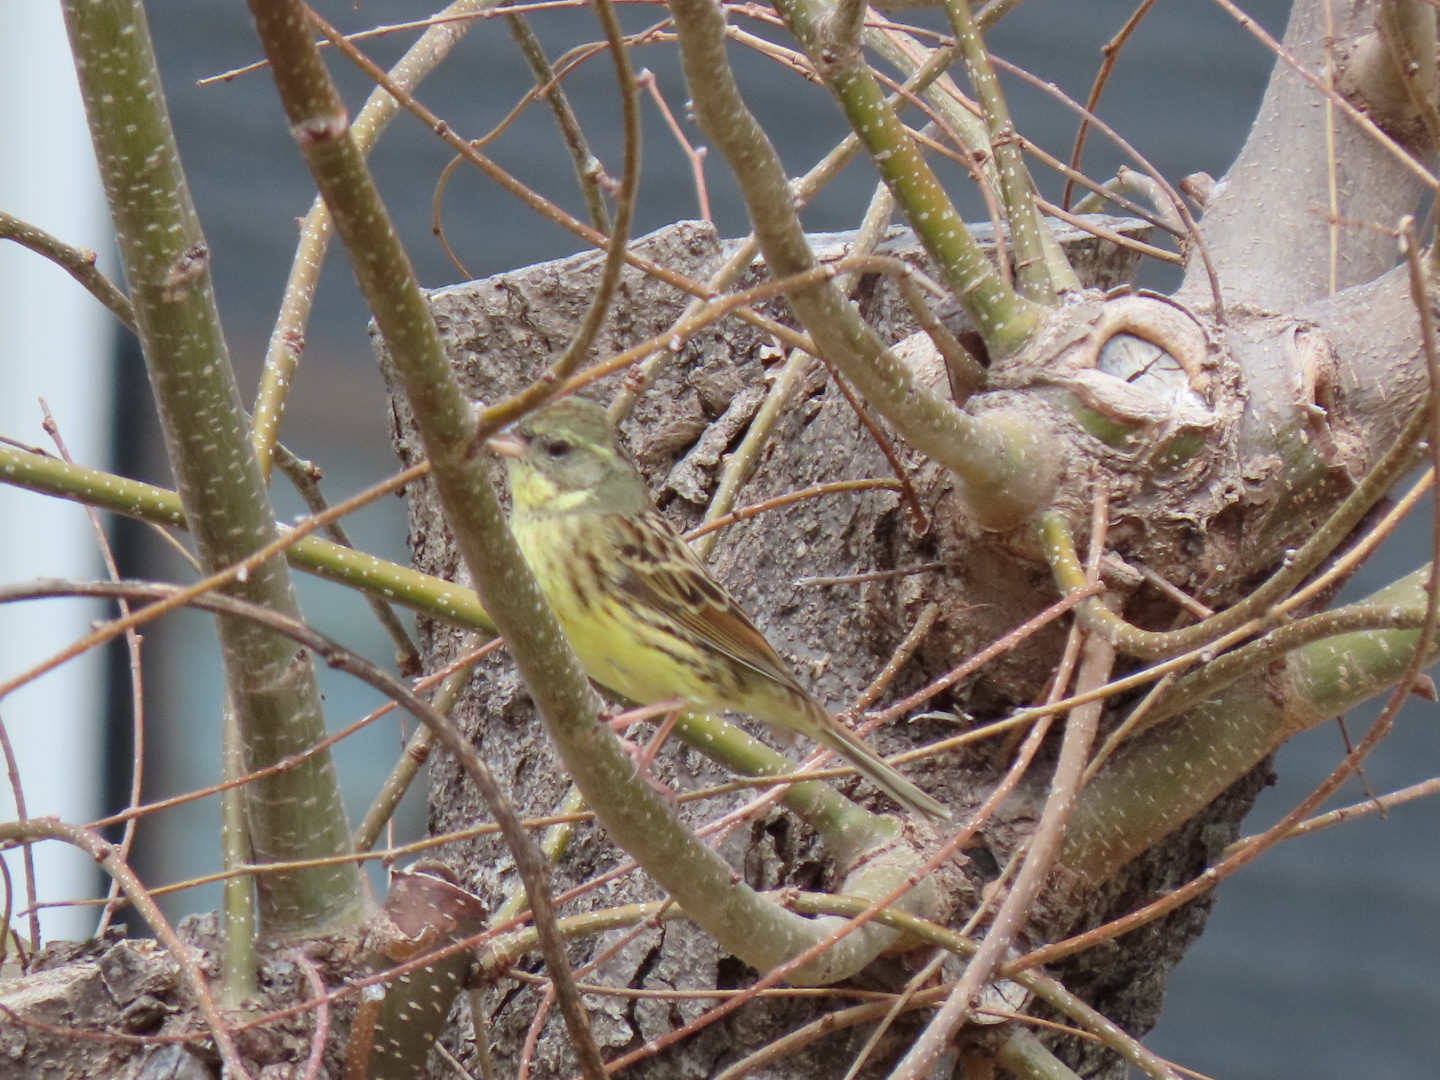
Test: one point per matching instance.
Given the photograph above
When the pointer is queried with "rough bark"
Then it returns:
(501, 332)
(127, 995)
(1307, 373)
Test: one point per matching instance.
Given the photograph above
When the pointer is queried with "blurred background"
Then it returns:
(1319, 961)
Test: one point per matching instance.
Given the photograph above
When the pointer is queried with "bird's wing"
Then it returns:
(679, 588)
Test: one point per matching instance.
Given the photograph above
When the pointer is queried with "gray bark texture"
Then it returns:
(129, 993)
(501, 333)
(1304, 362)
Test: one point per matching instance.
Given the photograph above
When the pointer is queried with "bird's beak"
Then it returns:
(509, 444)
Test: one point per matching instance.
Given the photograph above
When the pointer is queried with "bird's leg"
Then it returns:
(622, 722)
(645, 756)
(661, 734)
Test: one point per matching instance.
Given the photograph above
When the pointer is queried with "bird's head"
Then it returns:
(566, 458)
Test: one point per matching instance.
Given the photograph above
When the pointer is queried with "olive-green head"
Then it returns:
(566, 458)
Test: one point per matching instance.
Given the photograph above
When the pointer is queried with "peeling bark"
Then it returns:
(501, 331)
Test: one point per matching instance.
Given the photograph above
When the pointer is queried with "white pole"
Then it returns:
(56, 342)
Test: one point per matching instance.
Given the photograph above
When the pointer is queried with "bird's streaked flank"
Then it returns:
(640, 610)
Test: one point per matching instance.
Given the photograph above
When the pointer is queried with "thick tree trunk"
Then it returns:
(1309, 365)
(502, 332)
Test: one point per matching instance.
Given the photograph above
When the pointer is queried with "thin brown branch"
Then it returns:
(1192, 229)
(322, 1016)
(1098, 658)
(695, 156)
(528, 861)
(17, 794)
(79, 263)
(305, 476)
(137, 685)
(1379, 804)
(235, 572)
(107, 856)
(549, 384)
(814, 491)
(1417, 167)
(588, 170)
(1110, 52)
(555, 214)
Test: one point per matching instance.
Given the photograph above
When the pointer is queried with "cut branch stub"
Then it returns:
(1132, 401)
(426, 910)
(1151, 394)
(1143, 380)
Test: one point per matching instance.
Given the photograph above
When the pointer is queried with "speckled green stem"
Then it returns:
(1005, 319)
(76, 262)
(237, 983)
(282, 355)
(754, 928)
(1017, 189)
(297, 814)
(1059, 546)
(436, 597)
(1006, 468)
(848, 829)
(1168, 775)
(502, 953)
(972, 133)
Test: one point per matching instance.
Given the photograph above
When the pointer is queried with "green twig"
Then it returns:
(556, 840)
(317, 119)
(1003, 466)
(282, 356)
(1031, 271)
(588, 169)
(305, 477)
(1270, 649)
(1065, 564)
(297, 815)
(1026, 1057)
(79, 263)
(415, 754)
(1136, 800)
(501, 955)
(432, 596)
(994, 11)
(966, 375)
(1040, 858)
(741, 465)
(966, 127)
(238, 966)
(847, 829)
(1006, 320)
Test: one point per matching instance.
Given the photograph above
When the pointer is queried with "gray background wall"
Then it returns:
(1320, 960)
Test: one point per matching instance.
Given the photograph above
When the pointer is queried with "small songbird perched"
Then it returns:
(640, 610)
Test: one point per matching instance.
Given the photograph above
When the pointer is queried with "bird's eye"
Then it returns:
(557, 448)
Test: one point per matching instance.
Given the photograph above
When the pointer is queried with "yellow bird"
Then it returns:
(642, 613)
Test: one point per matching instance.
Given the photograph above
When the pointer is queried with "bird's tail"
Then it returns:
(836, 736)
